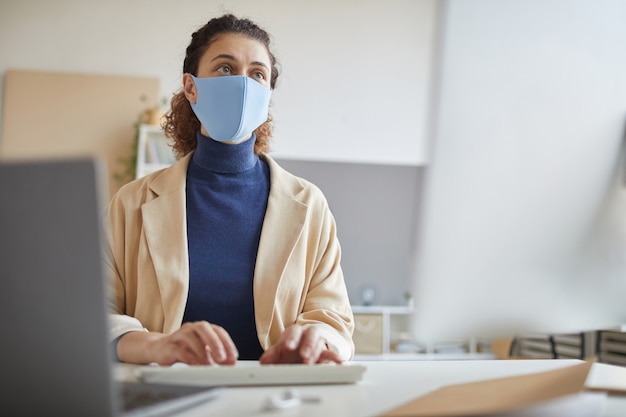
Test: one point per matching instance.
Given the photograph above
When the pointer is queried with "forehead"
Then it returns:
(239, 46)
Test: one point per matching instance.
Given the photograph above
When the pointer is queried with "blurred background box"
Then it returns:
(612, 347)
(368, 334)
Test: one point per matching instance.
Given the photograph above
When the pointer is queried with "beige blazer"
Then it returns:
(297, 278)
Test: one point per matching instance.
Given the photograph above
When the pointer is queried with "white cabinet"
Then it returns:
(153, 150)
(383, 333)
(376, 327)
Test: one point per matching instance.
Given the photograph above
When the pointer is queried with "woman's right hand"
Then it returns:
(197, 343)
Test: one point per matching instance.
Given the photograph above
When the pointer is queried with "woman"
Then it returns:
(224, 255)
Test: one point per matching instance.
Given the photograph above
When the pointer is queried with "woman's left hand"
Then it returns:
(299, 345)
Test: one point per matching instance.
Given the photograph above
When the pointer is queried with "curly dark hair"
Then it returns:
(180, 123)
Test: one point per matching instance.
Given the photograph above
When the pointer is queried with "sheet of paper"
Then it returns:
(497, 395)
(607, 378)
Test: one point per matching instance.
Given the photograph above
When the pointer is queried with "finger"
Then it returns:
(206, 332)
(191, 358)
(319, 347)
(172, 351)
(187, 338)
(271, 355)
(290, 339)
(231, 350)
(328, 355)
(279, 355)
(310, 345)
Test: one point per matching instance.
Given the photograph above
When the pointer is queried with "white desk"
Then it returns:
(387, 385)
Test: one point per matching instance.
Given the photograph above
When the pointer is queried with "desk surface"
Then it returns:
(387, 385)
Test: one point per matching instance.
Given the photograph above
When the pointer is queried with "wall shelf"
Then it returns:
(153, 150)
(378, 328)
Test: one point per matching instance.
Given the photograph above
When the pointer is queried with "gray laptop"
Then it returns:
(55, 354)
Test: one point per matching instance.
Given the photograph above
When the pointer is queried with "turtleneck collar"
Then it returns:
(224, 158)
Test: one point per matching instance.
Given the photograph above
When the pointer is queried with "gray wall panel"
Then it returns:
(375, 207)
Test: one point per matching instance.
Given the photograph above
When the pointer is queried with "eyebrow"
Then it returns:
(232, 58)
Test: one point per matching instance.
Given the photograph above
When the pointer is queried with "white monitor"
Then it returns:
(523, 225)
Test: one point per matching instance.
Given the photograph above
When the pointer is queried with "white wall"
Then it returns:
(524, 185)
(355, 80)
(524, 224)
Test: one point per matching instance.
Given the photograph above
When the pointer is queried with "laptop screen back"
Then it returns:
(54, 354)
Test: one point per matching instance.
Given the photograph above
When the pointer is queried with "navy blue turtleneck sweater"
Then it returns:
(227, 191)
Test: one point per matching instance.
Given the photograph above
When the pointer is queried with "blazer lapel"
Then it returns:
(278, 239)
(165, 230)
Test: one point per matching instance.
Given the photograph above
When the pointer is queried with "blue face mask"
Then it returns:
(231, 107)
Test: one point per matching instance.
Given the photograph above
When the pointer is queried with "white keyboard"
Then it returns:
(252, 373)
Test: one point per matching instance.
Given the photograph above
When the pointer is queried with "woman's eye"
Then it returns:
(259, 75)
(223, 69)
